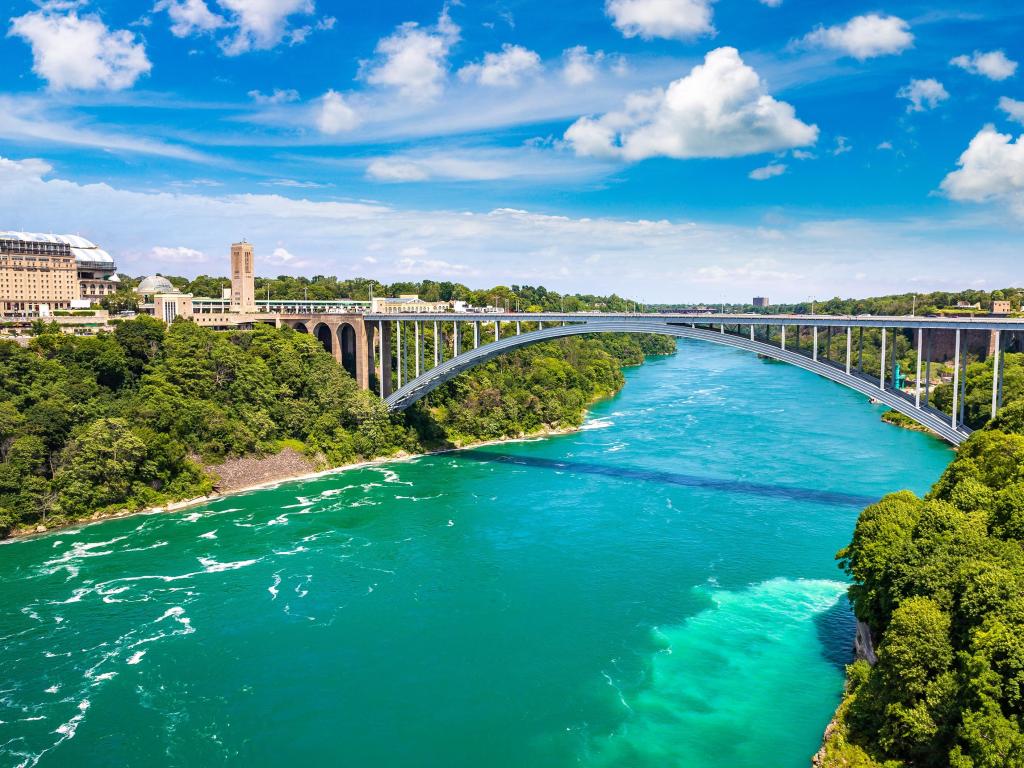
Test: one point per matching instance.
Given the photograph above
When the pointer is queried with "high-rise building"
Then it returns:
(760, 301)
(52, 270)
(243, 278)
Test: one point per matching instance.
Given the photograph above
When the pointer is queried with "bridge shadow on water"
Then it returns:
(672, 478)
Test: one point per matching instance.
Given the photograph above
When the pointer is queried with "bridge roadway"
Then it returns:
(741, 331)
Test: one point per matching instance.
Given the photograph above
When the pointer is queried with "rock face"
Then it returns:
(863, 646)
(246, 471)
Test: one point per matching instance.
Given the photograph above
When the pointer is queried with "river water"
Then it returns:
(658, 589)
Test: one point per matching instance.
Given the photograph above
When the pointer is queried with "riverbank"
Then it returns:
(272, 471)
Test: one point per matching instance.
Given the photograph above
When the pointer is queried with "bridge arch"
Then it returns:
(421, 386)
(347, 345)
(323, 334)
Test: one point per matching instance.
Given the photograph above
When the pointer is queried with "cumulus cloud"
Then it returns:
(252, 25)
(279, 96)
(260, 24)
(864, 37)
(410, 265)
(506, 68)
(994, 65)
(923, 94)
(31, 167)
(414, 59)
(720, 109)
(991, 169)
(334, 115)
(580, 66)
(678, 19)
(1014, 109)
(177, 255)
(79, 52)
(190, 17)
(767, 172)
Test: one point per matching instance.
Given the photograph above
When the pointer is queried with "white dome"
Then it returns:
(156, 284)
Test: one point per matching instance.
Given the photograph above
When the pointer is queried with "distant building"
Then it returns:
(243, 278)
(1000, 308)
(968, 305)
(761, 301)
(407, 303)
(38, 270)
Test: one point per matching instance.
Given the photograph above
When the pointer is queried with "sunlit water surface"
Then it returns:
(656, 590)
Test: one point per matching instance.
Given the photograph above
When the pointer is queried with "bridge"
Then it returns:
(406, 356)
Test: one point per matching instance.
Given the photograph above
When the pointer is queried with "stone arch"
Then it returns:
(348, 347)
(323, 334)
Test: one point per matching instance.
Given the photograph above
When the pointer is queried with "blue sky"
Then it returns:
(666, 149)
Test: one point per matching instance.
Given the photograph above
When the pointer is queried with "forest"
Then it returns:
(940, 583)
(141, 416)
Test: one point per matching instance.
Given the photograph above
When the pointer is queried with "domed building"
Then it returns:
(154, 284)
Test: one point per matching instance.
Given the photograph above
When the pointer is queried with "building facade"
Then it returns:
(243, 278)
(408, 303)
(760, 301)
(40, 272)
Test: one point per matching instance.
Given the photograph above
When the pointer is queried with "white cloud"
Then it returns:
(767, 172)
(842, 146)
(506, 68)
(1014, 109)
(190, 17)
(923, 94)
(72, 51)
(994, 65)
(33, 120)
(293, 184)
(527, 163)
(177, 255)
(580, 67)
(506, 246)
(31, 167)
(334, 115)
(260, 24)
(279, 96)
(720, 109)
(678, 19)
(414, 59)
(771, 3)
(801, 154)
(885, 145)
(864, 37)
(412, 266)
(991, 169)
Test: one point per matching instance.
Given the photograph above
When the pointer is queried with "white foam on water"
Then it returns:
(390, 476)
(191, 517)
(79, 550)
(212, 566)
(601, 422)
(301, 588)
(295, 551)
(281, 519)
(52, 689)
(136, 657)
(272, 589)
(616, 448)
(209, 534)
(105, 676)
(418, 498)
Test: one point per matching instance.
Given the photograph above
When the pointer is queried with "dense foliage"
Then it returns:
(136, 417)
(940, 581)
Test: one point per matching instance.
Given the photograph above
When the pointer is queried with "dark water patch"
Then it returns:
(836, 628)
(673, 478)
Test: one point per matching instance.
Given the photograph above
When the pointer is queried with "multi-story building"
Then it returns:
(243, 278)
(760, 301)
(1001, 307)
(40, 271)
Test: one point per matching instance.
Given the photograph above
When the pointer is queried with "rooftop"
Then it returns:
(83, 250)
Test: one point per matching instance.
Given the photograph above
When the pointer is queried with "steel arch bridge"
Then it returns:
(949, 428)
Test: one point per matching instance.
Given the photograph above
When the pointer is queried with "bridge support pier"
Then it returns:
(398, 351)
(881, 352)
(437, 344)
(751, 331)
(476, 334)
(519, 328)
(917, 376)
(384, 349)
(814, 355)
(996, 373)
(928, 368)
(956, 379)
(783, 337)
(849, 348)
(456, 339)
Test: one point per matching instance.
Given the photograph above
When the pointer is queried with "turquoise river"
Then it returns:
(656, 590)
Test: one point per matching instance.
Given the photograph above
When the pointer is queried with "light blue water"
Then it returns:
(656, 590)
